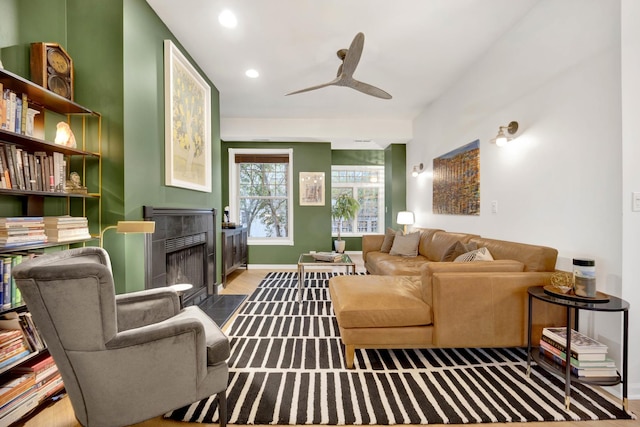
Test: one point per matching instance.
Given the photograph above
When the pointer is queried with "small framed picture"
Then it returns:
(311, 188)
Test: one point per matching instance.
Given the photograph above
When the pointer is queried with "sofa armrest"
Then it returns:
(370, 243)
(136, 309)
(489, 309)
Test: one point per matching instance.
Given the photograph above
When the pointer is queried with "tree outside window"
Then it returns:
(260, 194)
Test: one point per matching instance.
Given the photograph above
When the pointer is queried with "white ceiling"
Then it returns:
(414, 49)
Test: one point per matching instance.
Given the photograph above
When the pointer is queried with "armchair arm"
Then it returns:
(141, 308)
(489, 309)
(371, 242)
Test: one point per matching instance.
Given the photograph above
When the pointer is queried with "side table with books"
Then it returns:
(575, 356)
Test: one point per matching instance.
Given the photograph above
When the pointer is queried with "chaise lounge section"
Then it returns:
(447, 304)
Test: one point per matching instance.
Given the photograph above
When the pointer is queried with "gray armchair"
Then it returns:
(124, 358)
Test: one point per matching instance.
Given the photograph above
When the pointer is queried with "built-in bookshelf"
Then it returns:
(63, 209)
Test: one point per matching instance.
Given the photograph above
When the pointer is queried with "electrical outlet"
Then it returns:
(635, 203)
(494, 207)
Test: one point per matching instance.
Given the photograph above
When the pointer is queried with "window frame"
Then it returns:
(356, 186)
(234, 194)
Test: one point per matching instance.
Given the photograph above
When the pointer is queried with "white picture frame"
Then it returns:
(312, 188)
(187, 123)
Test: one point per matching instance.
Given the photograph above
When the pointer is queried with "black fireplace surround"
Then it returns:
(181, 250)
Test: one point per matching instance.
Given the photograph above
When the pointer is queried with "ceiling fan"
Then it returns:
(350, 58)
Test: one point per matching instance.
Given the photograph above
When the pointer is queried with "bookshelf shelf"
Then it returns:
(27, 197)
(614, 305)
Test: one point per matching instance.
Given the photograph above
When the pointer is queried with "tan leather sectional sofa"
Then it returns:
(417, 302)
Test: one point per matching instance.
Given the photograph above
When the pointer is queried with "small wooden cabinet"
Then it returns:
(234, 250)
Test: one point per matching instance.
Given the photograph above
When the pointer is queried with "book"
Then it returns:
(574, 354)
(64, 219)
(6, 282)
(559, 357)
(580, 343)
(42, 367)
(327, 256)
(15, 386)
(594, 372)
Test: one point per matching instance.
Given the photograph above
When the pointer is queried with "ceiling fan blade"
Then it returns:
(353, 55)
(320, 86)
(368, 89)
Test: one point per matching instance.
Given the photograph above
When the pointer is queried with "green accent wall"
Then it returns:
(117, 49)
(395, 188)
(357, 157)
(311, 224)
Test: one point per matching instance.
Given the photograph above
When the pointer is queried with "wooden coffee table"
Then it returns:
(307, 260)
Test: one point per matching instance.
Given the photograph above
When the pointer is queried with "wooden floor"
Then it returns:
(60, 414)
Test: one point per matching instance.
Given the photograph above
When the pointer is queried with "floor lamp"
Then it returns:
(129, 227)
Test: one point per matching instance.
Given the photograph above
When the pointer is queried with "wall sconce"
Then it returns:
(405, 218)
(501, 138)
(146, 227)
(417, 170)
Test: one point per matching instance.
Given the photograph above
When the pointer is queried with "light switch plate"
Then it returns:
(635, 203)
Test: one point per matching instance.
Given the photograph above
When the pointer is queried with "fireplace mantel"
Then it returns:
(181, 234)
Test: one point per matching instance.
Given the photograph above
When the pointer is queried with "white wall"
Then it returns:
(558, 73)
(631, 176)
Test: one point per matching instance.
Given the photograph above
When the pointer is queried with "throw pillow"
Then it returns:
(388, 240)
(481, 254)
(457, 249)
(405, 244)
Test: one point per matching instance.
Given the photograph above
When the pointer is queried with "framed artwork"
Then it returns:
(311, 188)
(187, 123)
(456, 181)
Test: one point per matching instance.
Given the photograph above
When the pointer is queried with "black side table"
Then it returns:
(573, 307)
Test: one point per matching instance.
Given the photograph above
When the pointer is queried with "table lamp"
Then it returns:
(405, 218)
(130, 227)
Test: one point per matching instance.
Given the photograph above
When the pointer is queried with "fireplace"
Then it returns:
(181, 250)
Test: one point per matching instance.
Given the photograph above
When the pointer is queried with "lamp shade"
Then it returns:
(136, 227)
(146, 227)
(405, 218)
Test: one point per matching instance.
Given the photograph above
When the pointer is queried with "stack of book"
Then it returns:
(327, 256)
(588, 356)
(20, 231)
(66, 228)
(27, 386)
(13, 346)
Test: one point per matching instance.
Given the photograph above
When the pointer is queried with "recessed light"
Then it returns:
(227, 19)
(251, 73)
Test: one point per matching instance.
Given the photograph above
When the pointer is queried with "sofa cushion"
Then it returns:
(405, 244)
(378, 301)
(442, 241)
(481, 254)
(426, 234)
(393, 265)
(388, 240)
(457, 249)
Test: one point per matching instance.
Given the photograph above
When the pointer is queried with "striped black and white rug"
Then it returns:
(287, 367)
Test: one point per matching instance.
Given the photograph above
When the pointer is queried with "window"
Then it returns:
(366, 184)
(260, 194)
